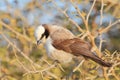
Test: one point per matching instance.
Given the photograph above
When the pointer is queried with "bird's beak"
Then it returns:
(39, 42)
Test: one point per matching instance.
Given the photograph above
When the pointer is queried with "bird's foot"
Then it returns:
(57, 64)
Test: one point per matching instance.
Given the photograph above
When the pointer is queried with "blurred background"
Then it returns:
(19, 18)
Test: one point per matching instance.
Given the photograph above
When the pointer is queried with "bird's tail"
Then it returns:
(97, 59)
(100, 61)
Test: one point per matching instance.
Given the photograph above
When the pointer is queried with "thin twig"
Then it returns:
(0, 68)
(64, 12)
(13, 45)
(101, 42)
(105, 73)
(87, 18)
(113, 73)
(80, 14)
(17, 13)
(108, 27)
(101, 12)
(61, 68)
(114, 65)
(84, 35)
(45, 61)
(17, 33)
(51, 74)
(44, 70)
(21, 64)
(78, 66)
(48, 68)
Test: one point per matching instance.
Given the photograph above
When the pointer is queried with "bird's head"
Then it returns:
(40, 33)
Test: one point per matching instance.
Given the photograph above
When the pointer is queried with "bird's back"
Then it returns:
(61, 34)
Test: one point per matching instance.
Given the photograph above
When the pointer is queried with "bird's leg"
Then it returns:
(76, 68)
(57, 63)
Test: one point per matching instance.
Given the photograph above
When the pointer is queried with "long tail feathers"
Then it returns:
(96, 59)
(100, 61)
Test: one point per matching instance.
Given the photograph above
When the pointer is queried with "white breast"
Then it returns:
(56, 54)
(48, 46)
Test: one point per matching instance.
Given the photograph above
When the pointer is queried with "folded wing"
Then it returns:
(79, 47)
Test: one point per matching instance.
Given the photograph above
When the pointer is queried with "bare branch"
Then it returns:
(101, 42)
(80, 14)
(108, 27)
(21, 64)
(13, 45)
(64, 12)
(76, 68)
(17, 33)
(105, 73)
(87, 18)
(101, 12)
(44, 70)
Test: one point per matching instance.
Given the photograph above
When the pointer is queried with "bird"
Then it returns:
(62, 45)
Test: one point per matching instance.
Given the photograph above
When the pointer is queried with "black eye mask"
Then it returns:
(46, 33)
(42, 36)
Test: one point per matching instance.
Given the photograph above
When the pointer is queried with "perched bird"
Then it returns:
(62, 45)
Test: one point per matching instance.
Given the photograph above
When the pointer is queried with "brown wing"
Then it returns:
(74, 46)
(79, 47)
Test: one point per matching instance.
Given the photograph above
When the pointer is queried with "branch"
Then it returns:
(101, 12)
(108, 27)
(87, 18)
(13, 45)
(44, 70)
(21, 64)
(101, 42)
(17, 33)
(66, 15)
(77, 67)
(23, 54)
(80, 14)
(105, 73)
(16, 12)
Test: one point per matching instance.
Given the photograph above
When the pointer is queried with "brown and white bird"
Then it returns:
(62, 45)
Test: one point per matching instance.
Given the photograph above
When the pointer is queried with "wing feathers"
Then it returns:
(79, 47)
